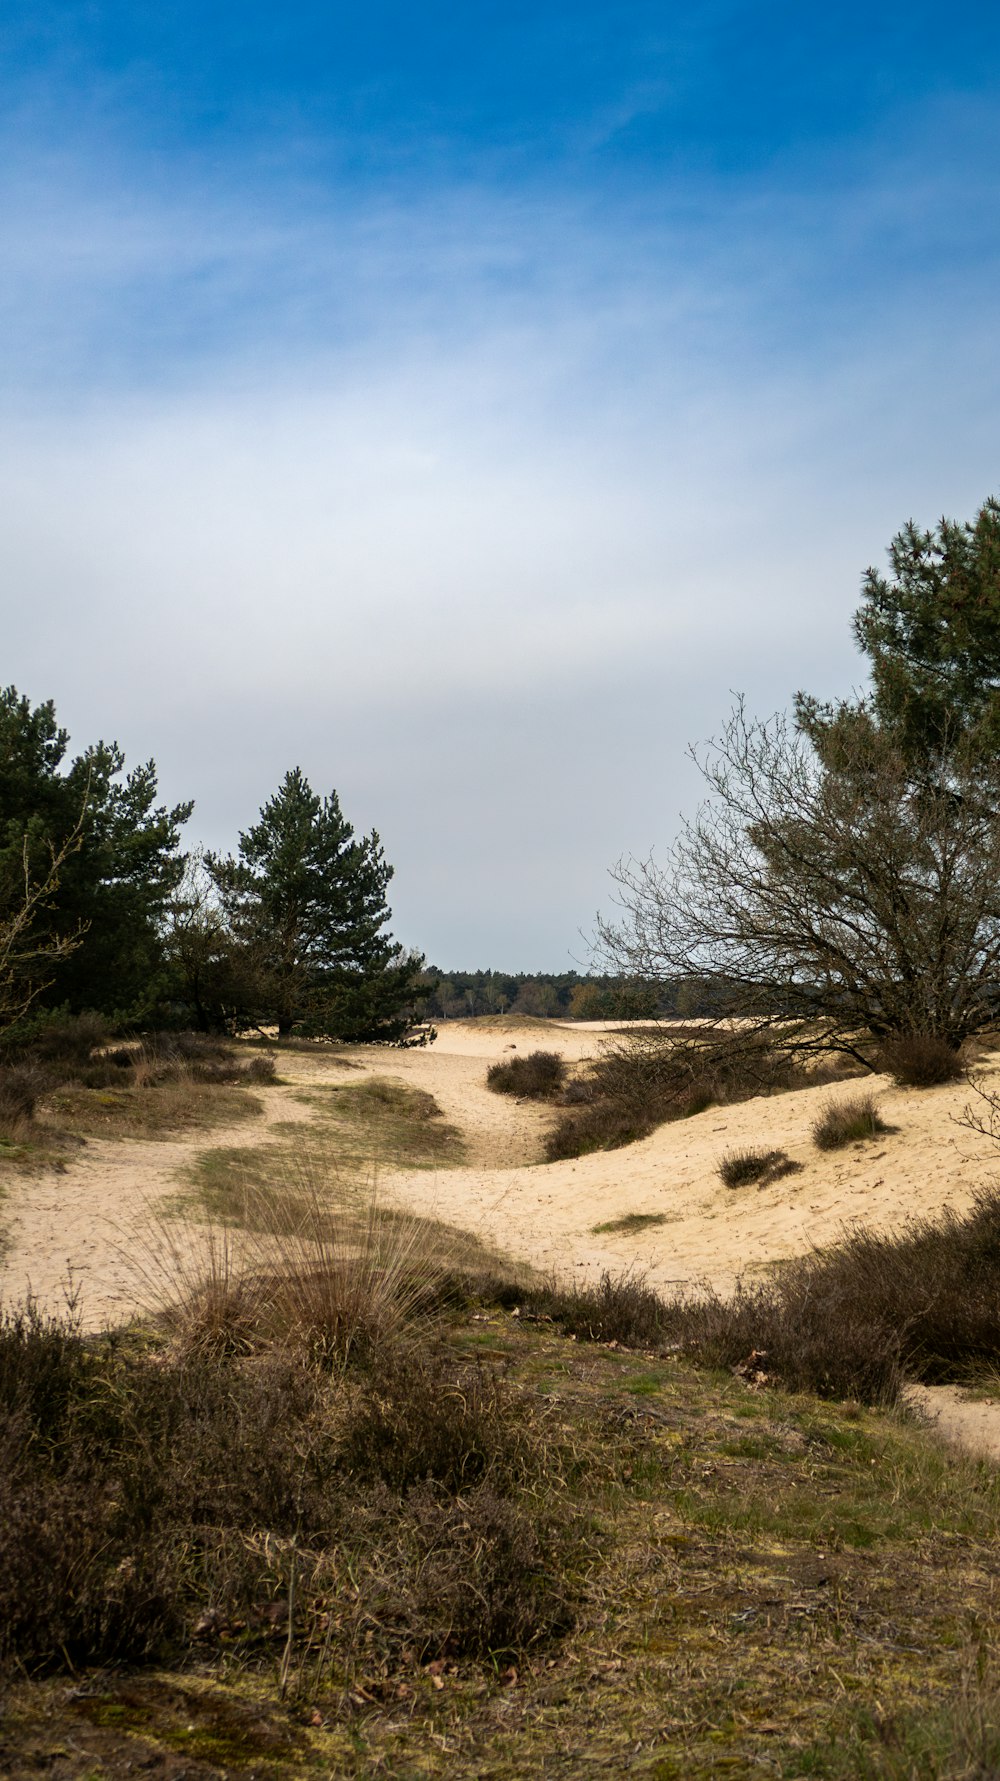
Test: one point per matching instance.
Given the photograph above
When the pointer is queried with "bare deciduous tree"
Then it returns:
(836, 893)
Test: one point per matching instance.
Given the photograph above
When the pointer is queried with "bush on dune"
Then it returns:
(538, 1076)
(645, 1078)
(921, 1060)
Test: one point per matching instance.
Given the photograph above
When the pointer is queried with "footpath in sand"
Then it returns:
(92, 1229)
(85, 1224)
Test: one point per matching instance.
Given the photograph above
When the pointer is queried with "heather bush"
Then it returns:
(644, 1079)
(538, 1076)
(148, 1499)
(852, 1321)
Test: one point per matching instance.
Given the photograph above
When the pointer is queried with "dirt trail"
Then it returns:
(84, 1224)
(90, 1229)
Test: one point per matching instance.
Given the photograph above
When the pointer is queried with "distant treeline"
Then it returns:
(563, 995)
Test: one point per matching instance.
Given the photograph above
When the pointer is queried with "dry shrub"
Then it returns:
(422, 1420)
(852, 1121)
(642, 1079)
(920, 1060)
(847, 1322)
(621, 1308)
(538, 1076)
(739, 1168)
(151, 1498)
(22, 1086)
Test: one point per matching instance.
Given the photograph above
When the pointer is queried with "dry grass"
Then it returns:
(180, 1104)
(299, 1271)
(630, 1224)
(73, 1083)
(854, 1120)
(362, 1129)
(744, 1168)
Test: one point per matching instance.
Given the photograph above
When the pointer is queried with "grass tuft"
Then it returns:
(630, 1224)
(852, 1121)
(740, 1168)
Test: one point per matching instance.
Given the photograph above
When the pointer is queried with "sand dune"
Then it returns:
(83, 1224)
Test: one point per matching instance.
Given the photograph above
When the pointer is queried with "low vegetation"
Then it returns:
(357, 1129)
(853, 1120)
(748, 1167)
(853, 1321)
(538, 1076)
(630, 1224)
(74, 1080)
(645, 1077)
(921, 1060)
(460, 1543)
(377, 1520)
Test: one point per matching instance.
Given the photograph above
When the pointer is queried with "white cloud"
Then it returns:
(478, 511)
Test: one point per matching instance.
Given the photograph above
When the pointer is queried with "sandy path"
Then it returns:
(76, 1224)
(92, 1229)
(88, 1231)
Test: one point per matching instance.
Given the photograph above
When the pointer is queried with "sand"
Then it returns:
(83, 1229)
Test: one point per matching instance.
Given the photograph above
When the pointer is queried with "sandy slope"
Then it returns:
(712, 1233)
(77, 1223)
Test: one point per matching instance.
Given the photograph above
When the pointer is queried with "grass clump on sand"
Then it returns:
(742, 1168)
(538, 1076)
(630, 1224)
(855, 1120)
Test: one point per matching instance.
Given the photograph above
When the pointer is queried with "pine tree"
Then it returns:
(103, 921)
(305, 902)
(931, 632)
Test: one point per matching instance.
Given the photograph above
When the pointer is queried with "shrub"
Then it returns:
(851, 1321)
(739, 1168)
(621, 1308)
(851, 1121)
(920, 1060)
(21, 1088)
(538, 1076)
(146, 1499)
(645, 1079)
(422, 1420)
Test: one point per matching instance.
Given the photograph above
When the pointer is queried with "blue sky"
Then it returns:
(464, 404)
